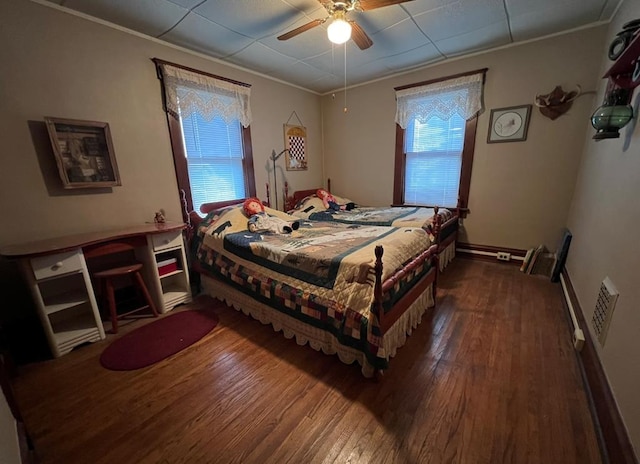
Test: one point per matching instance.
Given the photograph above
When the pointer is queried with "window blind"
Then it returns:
(433, 162)
(214, 158)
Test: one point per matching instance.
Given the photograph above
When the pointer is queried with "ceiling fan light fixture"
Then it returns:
(339, 31)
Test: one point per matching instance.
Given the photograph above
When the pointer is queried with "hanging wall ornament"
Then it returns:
(557, 102)
(295, 143)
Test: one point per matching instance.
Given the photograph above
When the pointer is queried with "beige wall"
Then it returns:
(57, 64)
(604, 218)
(520, 191)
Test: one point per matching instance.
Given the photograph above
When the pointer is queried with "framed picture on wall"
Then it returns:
(509, 124)
(295, 141)
(84, 153)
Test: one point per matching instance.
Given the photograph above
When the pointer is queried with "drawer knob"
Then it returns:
(57, 266)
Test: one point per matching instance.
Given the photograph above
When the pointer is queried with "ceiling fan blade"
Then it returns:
(366, 5)
(301, 29)
(359, 36)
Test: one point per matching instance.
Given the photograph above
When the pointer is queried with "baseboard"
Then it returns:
(489, 253)
(615, 442)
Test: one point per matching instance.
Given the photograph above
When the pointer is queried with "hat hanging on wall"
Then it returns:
(557, 102)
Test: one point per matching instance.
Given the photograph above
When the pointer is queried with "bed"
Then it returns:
(441, 224)
(324, 284)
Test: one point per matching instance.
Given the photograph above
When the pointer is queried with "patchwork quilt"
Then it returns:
(321, 274)
(311, 208)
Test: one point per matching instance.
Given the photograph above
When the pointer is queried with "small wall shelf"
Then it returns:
(621, 71)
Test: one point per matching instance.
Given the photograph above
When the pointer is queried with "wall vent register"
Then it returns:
(605, 304)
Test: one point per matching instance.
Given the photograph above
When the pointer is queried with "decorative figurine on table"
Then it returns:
(159, 217)
(330, 202)
(260, 221)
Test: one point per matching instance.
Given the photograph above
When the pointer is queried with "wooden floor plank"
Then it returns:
(489, 376)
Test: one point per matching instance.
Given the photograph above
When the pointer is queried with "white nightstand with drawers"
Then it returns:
(59, 279)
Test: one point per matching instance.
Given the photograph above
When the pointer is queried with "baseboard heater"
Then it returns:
(493, 254)
(578, 334)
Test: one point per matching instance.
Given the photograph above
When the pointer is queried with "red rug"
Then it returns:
(158, 340)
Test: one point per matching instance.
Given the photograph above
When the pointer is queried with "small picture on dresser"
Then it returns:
(84, 153)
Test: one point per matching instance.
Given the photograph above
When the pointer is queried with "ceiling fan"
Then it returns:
(342, 29)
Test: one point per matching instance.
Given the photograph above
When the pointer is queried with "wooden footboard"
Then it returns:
(444, 232)
(386, 320)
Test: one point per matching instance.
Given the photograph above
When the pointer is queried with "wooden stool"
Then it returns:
(122, 268)
(107, 277)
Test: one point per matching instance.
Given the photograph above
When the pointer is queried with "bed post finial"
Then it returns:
(268, 203)
(377, 289)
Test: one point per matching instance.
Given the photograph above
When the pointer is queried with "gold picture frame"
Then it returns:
(84, 153)
(295, 143)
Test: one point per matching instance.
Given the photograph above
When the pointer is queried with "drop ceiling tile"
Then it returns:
(324, 84)
(262, 59)
(332, 62)
(186, 3)
(304, 5)
(373, 21)
(251, 18)
(417, 57)
(493, 35)
(300, 74)
(309, 43)
(459, 18)
(366, 73)
(196, 33)
(397, 38)
(151, 17)
(422, 6)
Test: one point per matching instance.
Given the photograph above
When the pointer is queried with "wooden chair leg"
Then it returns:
(145, 293)
(111, 299)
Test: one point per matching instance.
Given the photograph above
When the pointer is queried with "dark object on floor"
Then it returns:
(561, 252)
(158, 340)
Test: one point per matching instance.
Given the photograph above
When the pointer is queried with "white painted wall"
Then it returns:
(604, 219)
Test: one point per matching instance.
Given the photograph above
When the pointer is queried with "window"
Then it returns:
(209, 120)
(214, 159)
(435, 139)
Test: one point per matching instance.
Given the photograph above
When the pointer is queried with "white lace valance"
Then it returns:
(190, 92)
(461, 95)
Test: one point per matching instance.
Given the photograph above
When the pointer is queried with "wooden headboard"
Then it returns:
(290, 202)
(194, 217)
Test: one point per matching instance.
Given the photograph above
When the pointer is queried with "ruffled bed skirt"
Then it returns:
(319, 339)
(446, 256)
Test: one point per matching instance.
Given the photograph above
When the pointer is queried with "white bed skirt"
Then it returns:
(316, 338)
(446, 255)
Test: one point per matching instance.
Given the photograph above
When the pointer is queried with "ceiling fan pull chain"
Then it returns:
(345, 78)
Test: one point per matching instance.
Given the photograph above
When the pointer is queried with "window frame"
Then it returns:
(468, 150)
(180, 155)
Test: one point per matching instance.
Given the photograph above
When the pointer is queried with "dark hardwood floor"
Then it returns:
(490, 376)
